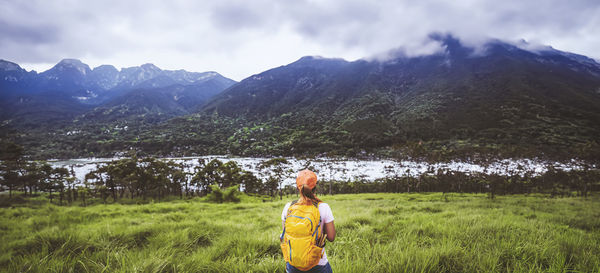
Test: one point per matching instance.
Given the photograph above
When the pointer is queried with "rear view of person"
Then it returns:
(306, 223)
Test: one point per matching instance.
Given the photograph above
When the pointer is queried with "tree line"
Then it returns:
(555, 182)
(134, 177)
(149, 177)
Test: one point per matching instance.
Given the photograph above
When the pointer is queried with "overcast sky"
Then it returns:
(238, 38)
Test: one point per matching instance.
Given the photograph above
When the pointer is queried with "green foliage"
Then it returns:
(10, 151)
(217, 172)
(133, 177)
(230, 194)
(159, 180)
(277, 169)
(224, 175)
(11, 163)
(375, 233)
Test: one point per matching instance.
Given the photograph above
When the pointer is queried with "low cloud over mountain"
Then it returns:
(241, 38)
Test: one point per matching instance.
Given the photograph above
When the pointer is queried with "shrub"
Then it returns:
(230, 194)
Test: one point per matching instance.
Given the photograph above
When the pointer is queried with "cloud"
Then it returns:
(16, 33)
(237, 16)
(238, 38)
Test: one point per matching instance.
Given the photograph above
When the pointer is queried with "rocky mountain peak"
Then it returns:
(76, 64)
(9, 66)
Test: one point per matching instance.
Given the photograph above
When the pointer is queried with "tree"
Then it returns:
(71, 180)
(179, 177)
(156, 174)
(216, 172)
(83, 192)
(33, 176)
(59, 176)
(54, 180)
(10, 165)
(207, 175)
(94, 178)
(183, 176)
(278, 168)
(251, 183)
(128, 175)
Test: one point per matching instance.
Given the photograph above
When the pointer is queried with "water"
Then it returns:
(345, 168)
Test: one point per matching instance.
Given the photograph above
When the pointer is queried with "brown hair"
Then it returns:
(307, 196)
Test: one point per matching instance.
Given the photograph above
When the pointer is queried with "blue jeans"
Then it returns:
(316, 269)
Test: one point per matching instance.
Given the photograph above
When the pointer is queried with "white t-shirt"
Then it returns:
(326, 217)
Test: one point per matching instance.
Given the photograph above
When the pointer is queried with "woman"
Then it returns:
(306, 183)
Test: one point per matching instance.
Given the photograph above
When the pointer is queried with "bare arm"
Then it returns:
(330, 231)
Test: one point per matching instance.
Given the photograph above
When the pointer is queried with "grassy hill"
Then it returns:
(376, 233)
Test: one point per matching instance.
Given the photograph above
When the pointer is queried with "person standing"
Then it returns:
(306, 223)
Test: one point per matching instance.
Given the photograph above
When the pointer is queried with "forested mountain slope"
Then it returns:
(503, 100)
(499, 100)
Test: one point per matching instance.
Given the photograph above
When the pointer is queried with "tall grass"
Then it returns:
(376, 233)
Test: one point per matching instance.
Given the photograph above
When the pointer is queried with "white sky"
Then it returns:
(238, 38)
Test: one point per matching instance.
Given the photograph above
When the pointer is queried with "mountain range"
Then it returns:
(501, 99)
(71, 88)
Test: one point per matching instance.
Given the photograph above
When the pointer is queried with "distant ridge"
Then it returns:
(71, 88)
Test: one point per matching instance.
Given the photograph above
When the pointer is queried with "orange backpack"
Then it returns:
(302, 240)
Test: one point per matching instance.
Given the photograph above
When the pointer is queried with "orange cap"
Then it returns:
(307, 178)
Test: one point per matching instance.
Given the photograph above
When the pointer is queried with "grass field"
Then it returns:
(376, 233)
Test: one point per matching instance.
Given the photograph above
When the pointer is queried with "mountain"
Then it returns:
(103, 77)
(302, 85)
(148, 76)
(68, 77)
(501, 99)
(13, 78)
(152, 104)
(132, 76)
(42, 110)
(71, 89)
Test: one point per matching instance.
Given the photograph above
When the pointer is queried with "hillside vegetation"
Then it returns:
(376, 233)
(498, 101)
(505, 102)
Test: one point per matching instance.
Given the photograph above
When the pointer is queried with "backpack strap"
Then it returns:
(291, 204)
(285, 218)
(316, 204)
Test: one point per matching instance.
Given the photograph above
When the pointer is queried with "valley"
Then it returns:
(281, 136)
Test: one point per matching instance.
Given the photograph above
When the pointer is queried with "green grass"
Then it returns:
(376, 233)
